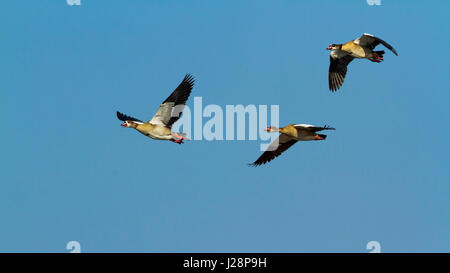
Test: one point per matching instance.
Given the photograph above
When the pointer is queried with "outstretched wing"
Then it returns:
(337, 71)
(171, 109)
(124, 117)
(370, 41)
(276, 148)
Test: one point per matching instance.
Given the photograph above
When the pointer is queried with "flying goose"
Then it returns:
(342, 54)
(160, 126)
(288, 137)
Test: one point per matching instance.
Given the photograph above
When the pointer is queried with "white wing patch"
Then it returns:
(163, 114)
(365, 39)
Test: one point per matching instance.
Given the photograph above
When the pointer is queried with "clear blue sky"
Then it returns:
(70, 172)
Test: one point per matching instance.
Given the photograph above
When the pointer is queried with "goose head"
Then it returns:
(272, 129)
(334, 47)
(129, 123)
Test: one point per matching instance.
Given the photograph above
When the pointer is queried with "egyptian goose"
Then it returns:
(160, 126)
(342, 54)
(288, 137)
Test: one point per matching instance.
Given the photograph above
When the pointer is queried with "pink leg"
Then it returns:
(180, 136)
(375, 56)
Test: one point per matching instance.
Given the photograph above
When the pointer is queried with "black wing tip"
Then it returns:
(261, 161)
(124, 117)
(189, 79)
(188, 83)
(393, 50)
(183, 90)
(387, 45)
(119, 115)
(335, 88)
(327, 127)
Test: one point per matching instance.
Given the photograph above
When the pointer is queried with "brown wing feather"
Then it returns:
(337, 71)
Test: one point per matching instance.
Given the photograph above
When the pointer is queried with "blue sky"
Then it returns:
(70, 172)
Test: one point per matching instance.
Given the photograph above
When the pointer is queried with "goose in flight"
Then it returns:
(288, 137)
(342, 54)
(160, 126)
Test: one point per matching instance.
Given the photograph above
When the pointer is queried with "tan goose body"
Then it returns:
(160, 126)
(289, 136)
(296, 131)
(357, 51)
(157, 132)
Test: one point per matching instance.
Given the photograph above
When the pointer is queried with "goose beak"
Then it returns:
(329, 48)
(267, 130)
(123, 124)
